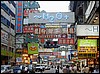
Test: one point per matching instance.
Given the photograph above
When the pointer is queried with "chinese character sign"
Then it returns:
(19, 16)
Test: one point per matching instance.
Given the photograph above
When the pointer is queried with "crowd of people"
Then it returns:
(77, 69)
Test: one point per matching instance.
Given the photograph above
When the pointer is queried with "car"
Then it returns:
(39, 67)
(47, 68)
(6, 69)
(16, 69)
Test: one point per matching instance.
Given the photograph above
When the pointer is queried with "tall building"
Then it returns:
(8, 11)
(87, 16)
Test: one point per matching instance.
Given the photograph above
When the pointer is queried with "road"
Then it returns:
(52, 70)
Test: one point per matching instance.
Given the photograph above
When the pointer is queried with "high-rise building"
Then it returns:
(8, 11)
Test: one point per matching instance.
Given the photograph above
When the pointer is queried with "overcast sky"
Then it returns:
(54, 6)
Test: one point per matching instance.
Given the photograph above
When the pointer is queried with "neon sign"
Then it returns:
(51, 18)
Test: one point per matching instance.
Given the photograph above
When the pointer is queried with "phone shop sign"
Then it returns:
(51, 17)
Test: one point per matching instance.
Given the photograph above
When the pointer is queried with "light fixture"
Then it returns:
(96, 17)
(94, 20)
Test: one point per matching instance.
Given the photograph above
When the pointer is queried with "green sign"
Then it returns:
(87, 42)
(32, 48)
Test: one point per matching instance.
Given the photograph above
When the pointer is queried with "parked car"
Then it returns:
(16, 69)
(6, 69)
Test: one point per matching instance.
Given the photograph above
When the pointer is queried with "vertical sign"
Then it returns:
(19, 16)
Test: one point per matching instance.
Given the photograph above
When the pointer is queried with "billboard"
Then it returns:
(87, 30)
(19, 16)
(87, 48)
(32, 48)
(51, 17)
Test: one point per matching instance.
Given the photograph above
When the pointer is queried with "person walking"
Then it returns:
(86, 69)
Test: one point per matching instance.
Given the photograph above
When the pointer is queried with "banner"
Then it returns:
(32, 48)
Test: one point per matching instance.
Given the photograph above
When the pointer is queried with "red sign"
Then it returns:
(65, 41)
(26, 12)
(28, 29)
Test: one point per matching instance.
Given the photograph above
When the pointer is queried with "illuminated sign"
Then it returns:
(87, 47)
(19, 16)
(87, 42)
(51, 17)
(32, 48)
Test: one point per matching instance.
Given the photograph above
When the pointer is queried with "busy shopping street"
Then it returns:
(49, 36)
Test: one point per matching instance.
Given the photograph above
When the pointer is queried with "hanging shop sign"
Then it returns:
(87, 48)
(66, 41)
(32, 48)
(51, 17)
(87, 30)
(26, 12)
(19, 16)
(52, 36)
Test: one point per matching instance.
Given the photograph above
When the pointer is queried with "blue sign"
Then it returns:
(19, 16)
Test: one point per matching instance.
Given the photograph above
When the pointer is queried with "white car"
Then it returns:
(6, 69)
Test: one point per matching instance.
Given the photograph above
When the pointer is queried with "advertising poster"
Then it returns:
(32, 48)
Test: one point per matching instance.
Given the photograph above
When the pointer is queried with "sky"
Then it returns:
(54, 6)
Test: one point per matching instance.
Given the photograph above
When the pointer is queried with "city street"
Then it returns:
(50, 36)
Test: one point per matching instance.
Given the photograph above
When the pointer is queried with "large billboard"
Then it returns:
(32, 48)
(51, 17)
(19, 16)
(87, 48)
(87, 30)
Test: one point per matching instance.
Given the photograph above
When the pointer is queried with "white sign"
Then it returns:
(87, 30)
(51, 17)
(4, 37)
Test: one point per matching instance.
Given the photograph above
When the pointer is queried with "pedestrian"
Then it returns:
(86, 69)
(68, 70)
(83, 68)
(96, 69)
(64, 69)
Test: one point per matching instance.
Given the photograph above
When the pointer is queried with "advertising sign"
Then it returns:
(32, 48)
(51, 17)
(87, 30)
(87, 48)
(87, 42)
(4, 37)
(66, 41)
(19, 16)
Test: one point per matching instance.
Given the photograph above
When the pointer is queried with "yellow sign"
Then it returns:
(86, 49)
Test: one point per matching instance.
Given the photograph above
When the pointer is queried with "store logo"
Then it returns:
(33, 48)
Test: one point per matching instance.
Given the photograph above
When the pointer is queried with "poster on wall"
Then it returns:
(32, 48)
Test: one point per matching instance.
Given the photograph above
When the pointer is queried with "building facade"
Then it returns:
(8, 11)
(87, 14)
